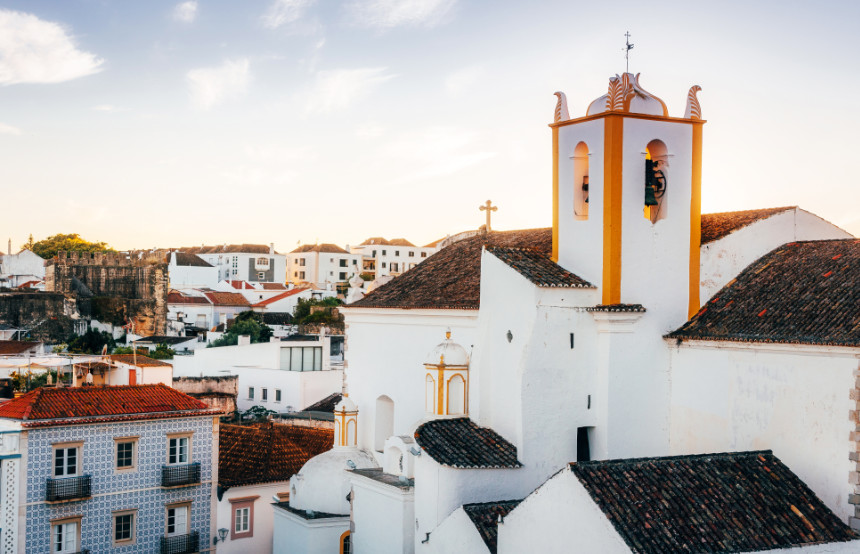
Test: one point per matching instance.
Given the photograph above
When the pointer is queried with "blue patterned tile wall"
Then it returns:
(111, 491)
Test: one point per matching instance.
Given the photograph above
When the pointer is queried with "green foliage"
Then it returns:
(314, 310)
(258, 413)
(161, 352)
(27, 381)
(91, 342)
(245, 323)
(48, 248)
(129, 350)
(366, 276)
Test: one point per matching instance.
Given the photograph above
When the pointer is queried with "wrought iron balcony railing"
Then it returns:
(68, 488)
(178, 475)
(181, 544)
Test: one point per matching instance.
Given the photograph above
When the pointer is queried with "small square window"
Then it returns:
(123, 528)
(277, 395)
(264, 395)
(250, 393)
(411, 253)
(397, 252)
(126, 453)
(424, 254)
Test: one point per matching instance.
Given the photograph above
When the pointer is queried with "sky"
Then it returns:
(167, 124)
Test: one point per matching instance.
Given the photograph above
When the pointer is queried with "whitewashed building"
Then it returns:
(244, 262)
(321, 265)
(381, 257)
(22, 268)
(632, 328)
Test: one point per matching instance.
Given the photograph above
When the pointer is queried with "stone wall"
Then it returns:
(44, 314)
(113, 288)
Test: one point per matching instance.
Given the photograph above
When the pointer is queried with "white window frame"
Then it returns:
(66, 447)
(174, 459)
(177, 509)
(62, 529)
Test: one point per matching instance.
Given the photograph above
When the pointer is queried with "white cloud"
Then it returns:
(106, 108)
(36, 51)
(386, 14)
(186, 12)
(337, 89)
(281, 12)
(209, 86)
(436, 152)
(9, 130)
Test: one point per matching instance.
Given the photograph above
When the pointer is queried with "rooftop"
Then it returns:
(227, 299)
(735, 502)
(801, 292)
(379, 476)
(165, 339)
(188, 259)
(281, 296)
(267, 453)
(462, 444)
(327, 404)
(536, 266)
(176, 297)
(70, 403)
(717, 225)
(485, 516)
(229, 248)
(139, 361)
(16, 346)
(327, 247)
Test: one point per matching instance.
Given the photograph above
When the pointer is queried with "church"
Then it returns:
(641, 377)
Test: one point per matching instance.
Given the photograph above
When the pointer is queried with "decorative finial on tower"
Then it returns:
(694, 110)
(448, 333)
(561, 113)
(488, 207)
(627, 48)
(344, 388)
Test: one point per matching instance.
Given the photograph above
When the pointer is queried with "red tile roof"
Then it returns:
(400, 242)
(538, 268)
(227, 299)
(267, 453)
(229, 248)
(285, 294)
(273, 286)
(142, 401)
(16, 346)
(142, 361)
(717, 225)
(174, 297)
(374, 241)
(328, 248)
(241, 285)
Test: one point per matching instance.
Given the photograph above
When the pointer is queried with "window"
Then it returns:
(250, 393)
(302, 262)
(301, 358)
(277, 395)
(301, 274)
(411, 253)
(263, 262)
(243, 517)
(66, 459)
(424, 254)
(397, 252)
(345, 543)
(383, 265)
(65, 536)
(178, 449)
(342, 276)
(580, 181)
(374, 254)
(355, 261)
(264, 395)
(177, 520)
(123, 527)
(261, 275)
(126, 453)
(343, 262)
(395, 266)
(383, 252)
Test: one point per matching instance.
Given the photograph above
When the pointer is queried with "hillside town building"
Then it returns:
(243, 262)
(321, 265)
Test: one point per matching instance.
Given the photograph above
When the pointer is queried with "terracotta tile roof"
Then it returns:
(30, 284)
(267, 453)
(142, 361)
(801, 292)
(229, 248)
(716, 226)
(273, 286)
(374, 241)
(285, 294)
(174, 297)
(239, 284)
(400, 242)
(328, 248)
(451, 278)
(485, 517)
(736, 502)
(616, 308)
(538, 268)
(227, 299)
(49, 403)
(187, 259)
(327, 404)
(16, 346)
(461, 443)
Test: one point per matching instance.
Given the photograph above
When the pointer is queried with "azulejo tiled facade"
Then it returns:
(112, 491)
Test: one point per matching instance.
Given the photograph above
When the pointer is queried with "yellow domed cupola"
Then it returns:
(446, 380)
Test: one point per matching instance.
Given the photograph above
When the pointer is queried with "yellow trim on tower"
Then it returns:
(555, 194)
(440, 401)
(613, 148)
(695, 221)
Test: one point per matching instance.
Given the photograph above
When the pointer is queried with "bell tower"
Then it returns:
(627, 198)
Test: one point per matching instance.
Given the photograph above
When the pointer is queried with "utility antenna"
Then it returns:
(627, 48)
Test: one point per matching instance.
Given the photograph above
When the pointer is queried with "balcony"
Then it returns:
(180, 544)
(68, 488)
(180, 475)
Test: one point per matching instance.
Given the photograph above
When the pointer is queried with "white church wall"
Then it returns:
(791, 399)
(456, 534)
(723, 259)
(294, 534)
(559, 517)
(383, 517)
(385, 352)
(583, 257)
(439, 490)
(655, 257)
(192, 277)
(262, 521)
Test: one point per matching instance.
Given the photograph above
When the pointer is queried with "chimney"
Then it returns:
(244, 340)
(271, 248)
(10, 246)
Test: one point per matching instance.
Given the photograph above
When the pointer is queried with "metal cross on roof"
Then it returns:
(488, 207)
(627, 48)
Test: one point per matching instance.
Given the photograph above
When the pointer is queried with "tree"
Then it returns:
(315, 310)
(48, 248)
(91, 342)
(161, 352)
(257, 413)
(246, 323)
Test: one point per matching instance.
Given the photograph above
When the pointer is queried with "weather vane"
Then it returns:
(628, 47)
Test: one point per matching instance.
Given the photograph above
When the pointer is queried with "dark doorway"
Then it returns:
(583, 451)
